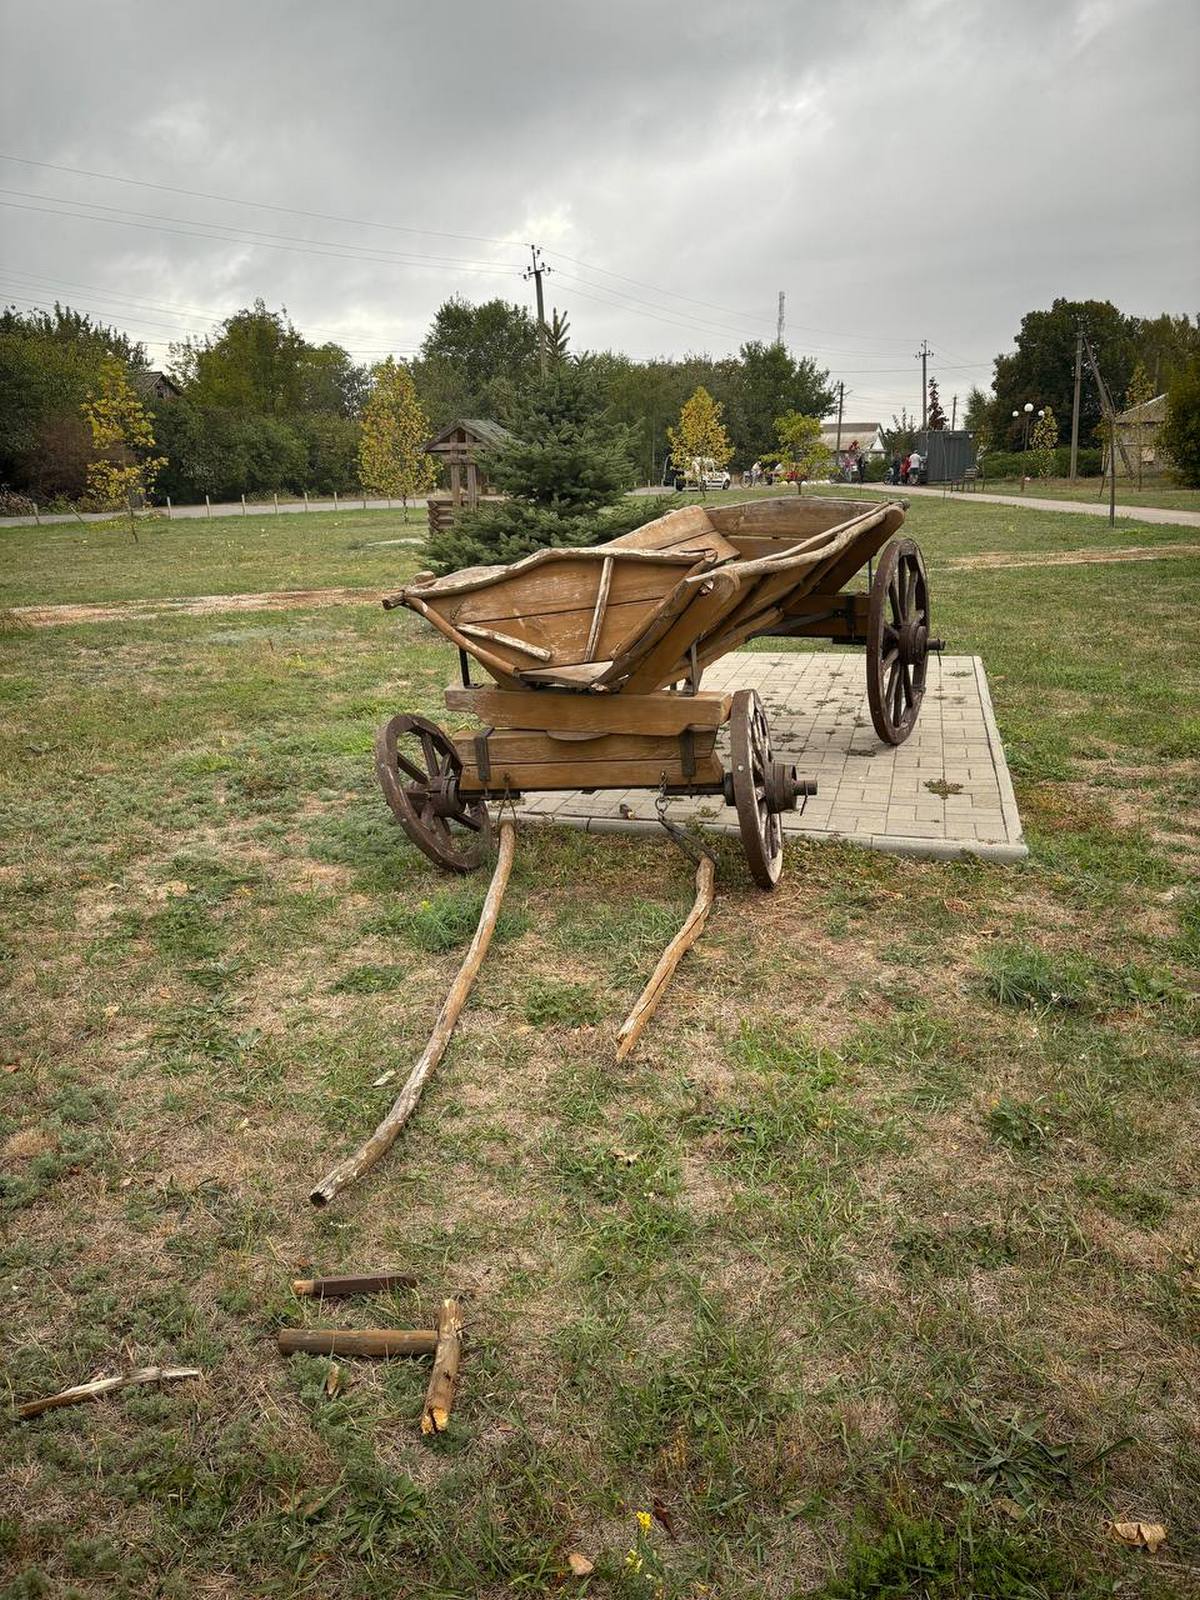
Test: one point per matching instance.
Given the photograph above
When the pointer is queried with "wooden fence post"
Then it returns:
(275, 497)
(306, 499)
(36, 517)
(168, 508)
(335, 502)
(207, 507)
(243, 505)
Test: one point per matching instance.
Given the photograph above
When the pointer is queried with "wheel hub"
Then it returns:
(912, 641)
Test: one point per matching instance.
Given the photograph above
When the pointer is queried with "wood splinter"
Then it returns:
(382, 1140)
(362, 1283)
(439, 1397)
(103, 1386)
(647, 1002)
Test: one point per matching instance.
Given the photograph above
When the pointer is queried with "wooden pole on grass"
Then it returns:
(647, 1003)
(439, 1397)
(364, 1158)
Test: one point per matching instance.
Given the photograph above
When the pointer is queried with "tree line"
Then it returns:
(260, 409)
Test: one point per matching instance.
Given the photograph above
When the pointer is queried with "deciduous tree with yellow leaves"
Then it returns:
(122, 469)
(391, 453)
(700, 442)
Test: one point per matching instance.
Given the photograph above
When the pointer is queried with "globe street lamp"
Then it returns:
(1027, 408)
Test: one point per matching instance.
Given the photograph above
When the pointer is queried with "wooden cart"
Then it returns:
(596, 657)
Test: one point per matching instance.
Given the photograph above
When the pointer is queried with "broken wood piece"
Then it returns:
(635, 1022)
(358, 1341)
(365, 1283)
(365, 1157)
(439, 1397)
(103, 1386)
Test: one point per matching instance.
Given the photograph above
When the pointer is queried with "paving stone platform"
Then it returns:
(944, 793)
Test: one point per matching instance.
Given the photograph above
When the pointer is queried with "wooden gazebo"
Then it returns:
(459, 448)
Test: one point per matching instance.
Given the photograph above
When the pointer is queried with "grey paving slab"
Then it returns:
(868, 793)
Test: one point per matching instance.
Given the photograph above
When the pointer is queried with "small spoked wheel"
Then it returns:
(759, 787)
(419, 771)
(898, 641)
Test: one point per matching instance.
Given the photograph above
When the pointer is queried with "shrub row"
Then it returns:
(1016, 463)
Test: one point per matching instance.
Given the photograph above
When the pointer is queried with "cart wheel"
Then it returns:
(761, 788)
(419, 771)
(897, 641)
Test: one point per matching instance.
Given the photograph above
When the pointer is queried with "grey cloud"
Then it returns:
(908, 170)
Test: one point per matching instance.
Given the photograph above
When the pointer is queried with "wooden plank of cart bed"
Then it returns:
(563, 711)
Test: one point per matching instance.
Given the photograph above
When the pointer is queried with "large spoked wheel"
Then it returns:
(897, 641)
(761, 788)
(419, 771)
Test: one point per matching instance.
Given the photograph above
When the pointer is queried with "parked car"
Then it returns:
(703, 475)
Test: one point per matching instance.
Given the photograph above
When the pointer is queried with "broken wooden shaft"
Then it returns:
(103, 1386)
(358, 1341)
(381, 1141)
(366, 1283)
(439, 1397)
(635, 1022)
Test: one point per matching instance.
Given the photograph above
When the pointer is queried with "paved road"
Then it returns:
(1084, 508)
(232, 508)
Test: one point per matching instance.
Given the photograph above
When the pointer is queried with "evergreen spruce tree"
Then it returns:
(563, 471)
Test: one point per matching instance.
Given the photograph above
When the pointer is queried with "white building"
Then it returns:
(868, 434)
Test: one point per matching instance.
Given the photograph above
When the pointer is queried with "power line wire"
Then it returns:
(257, 205)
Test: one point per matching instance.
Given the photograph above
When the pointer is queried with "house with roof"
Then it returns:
(154, 385)
(1138, 428)
(869, 437)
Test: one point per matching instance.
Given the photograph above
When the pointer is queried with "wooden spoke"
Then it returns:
(897, 640)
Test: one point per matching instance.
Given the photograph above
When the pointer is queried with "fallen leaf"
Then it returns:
(384, 1077)
(579, 1564)
(624, 1157)
(1010, 1508)
(333, 1383)
(111, 1009)
(126, 1181)
(12, 1066)
(1142, 1535)
(243, 1124)
(662, 1515)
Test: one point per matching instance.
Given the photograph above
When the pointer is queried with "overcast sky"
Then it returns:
(916, 169)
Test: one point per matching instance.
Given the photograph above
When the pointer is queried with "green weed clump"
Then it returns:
(1023, 975)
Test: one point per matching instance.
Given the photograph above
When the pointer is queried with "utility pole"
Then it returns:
(923, 355)
(1075, 405)
(779, 322)
(535, 272)
(953, 411)
(841, 396)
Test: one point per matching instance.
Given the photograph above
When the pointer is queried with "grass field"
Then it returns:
(1165, 496)
(874, 1273)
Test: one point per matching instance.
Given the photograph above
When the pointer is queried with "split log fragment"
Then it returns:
(647, 1003)
(381, 1141)
(103, 1386)
(358, 1341)
(439, 1397)
(365, 1283)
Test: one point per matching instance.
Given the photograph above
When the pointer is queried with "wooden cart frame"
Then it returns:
(597, 655)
